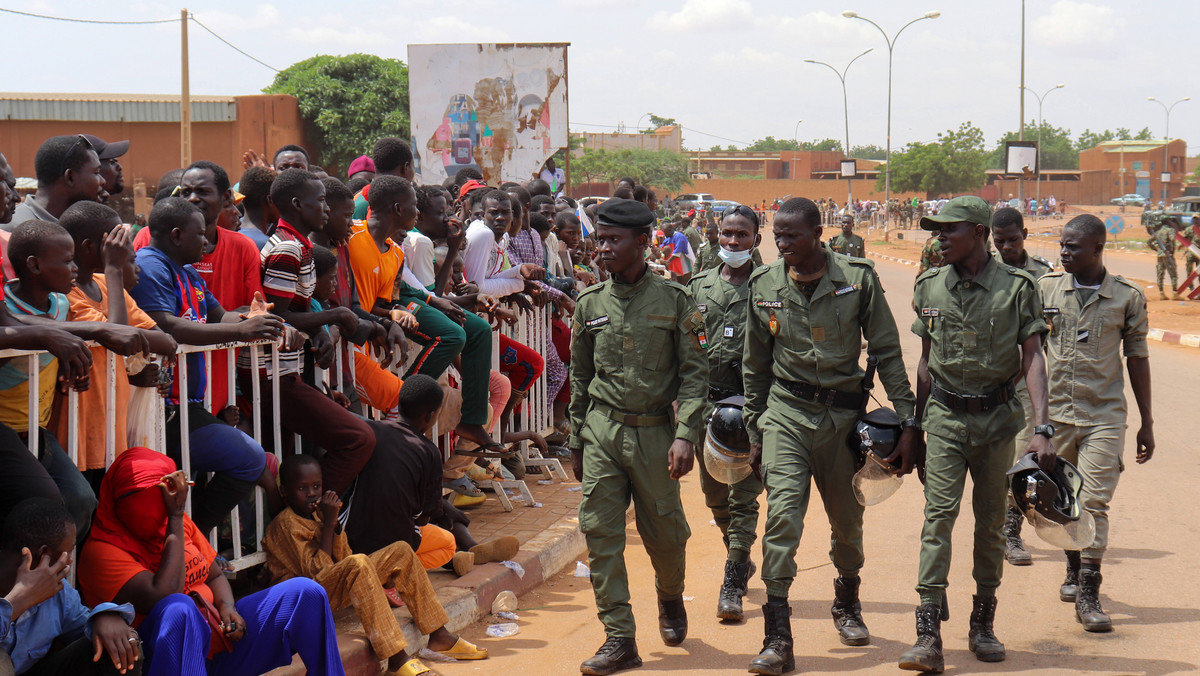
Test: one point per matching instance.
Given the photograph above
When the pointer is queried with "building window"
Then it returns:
(1137, 166)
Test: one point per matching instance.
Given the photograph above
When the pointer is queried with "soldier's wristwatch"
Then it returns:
(1046, 430)
(910, 423)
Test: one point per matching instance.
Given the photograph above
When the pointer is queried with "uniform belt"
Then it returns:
(633, 419)
(826, 397)
(974, 403)
(718, 393)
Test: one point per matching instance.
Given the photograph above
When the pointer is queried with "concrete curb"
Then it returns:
(894, 259)
(466, 599)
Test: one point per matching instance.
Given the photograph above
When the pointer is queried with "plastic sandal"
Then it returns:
(413, 667)
(393, 597)
(463, 486)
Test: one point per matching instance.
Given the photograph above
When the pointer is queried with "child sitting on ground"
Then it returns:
(305, 540)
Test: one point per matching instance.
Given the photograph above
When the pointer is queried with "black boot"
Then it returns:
(926, 653)
(1070, 586)
(1087, 603)
(737, 577)
(981, 640)
(847, 612)
(672, 620)
(616, 654)
(1014, 547)
(776, 657)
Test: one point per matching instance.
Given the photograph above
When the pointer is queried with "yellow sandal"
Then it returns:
(413, 667)
(463, 650)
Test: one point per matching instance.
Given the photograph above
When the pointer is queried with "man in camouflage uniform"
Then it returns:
(1192, 233)
(1009, 235)
(1163, 243)
(931, 255)
(846, 242)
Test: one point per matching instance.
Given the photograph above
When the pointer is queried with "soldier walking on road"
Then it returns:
(638, 346)
(1091, 313)
(808, 314)
(1009, 234)
(1163, 243)
(846, 242)
(721, 294)
(981, 329)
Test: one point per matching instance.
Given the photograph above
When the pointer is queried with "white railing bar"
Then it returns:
(35, 413)
(110, 407)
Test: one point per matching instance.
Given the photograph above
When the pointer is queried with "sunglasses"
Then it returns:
(79, 138)
(743, 210)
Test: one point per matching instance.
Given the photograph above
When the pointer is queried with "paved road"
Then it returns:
(1150, 587)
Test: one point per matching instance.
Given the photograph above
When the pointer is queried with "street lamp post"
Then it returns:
(1166, 169)
(845, 110)
(1039, 141)
(796, 138)
(891, 43)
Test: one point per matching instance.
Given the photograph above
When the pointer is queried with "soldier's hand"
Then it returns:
(577, 463)
(1045, 452)
(756, 460)
(906, 451)
(1145, 444)
(680, 458)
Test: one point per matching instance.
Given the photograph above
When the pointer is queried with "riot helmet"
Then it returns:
(727, 444)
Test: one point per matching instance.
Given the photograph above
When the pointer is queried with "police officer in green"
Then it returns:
(981, 327)
(846, 242)
(721, 295)
(1009, 235)
(808, 314)
(638, 346)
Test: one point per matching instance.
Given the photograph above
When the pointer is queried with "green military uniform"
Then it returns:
(735, 508)
(931, 255)
(795, 342)
(1163, 243)
(637, 348)
(694, 240)
(1086, 385)
(851, 245)
(709, 257)
(1037, 267)
(975, 327)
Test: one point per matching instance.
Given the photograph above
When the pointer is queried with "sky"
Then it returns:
(728, 70)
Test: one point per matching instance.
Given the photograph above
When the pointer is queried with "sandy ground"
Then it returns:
(1154, 602)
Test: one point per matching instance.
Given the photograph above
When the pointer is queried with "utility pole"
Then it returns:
(185, 96)
(1021, 129)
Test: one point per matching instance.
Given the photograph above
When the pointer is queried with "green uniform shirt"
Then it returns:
(850, 246)
(818, 341)
(708, 257)
(694, 240)
(637, 348)
(1193, 237)
(1087, 385)
(1163, 241)
(976, 328)
(1036, 266)
(724, 308)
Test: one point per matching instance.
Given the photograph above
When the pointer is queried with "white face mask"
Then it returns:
(734, 259)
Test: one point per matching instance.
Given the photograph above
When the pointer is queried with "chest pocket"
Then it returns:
(656, 345)
(848, 334)
(607, 341)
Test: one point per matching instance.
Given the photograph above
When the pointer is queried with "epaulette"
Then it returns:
(1054, 274)
(674, 285)
(1128, 283)
(1018, 272)
(590, 289)
(864, 262)
(1043, 261)
(928, 274)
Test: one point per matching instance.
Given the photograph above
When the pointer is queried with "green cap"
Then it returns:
(967, 208)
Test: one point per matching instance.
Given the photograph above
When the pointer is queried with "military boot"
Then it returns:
(981, 640)
(672, 620)
(847, 612)
(737, 577)
(1014, 547)
(616, 654)
(926, 653)
(1087, 603)
(1070, 586)
(776, 657)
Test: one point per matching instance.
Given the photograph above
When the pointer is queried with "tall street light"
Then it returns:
(796, 138)
(845, 109)
(1166, 168)
(891, 43)
(1039, 141)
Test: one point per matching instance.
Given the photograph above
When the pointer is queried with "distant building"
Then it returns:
(1138, 167)
(664, 138)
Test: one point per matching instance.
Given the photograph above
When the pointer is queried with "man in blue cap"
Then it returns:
(639, 345)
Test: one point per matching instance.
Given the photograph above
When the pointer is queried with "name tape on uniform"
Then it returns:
(769, 303)
(598, 322)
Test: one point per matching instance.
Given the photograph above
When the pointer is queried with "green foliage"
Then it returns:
(868, 152)
(1091, 139)
(658, 168)
(656, 122)
(1058, 151)
(772, 144)
(826, 144)
(954, 164)
(347, 102)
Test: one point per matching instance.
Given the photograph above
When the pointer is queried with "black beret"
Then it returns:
(624, 213)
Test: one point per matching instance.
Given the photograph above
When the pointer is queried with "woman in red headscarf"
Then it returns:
(143, 549)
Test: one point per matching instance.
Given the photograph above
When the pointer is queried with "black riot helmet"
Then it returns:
(727, 445)
(1051, 495)
(876, 432)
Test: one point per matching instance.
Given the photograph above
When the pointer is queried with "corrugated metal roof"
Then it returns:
(113, 107)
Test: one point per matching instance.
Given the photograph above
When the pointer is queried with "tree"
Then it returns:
(664, 169)
(868, 152)
(656, 122)
(827, 144)
(1057, 151)
(772, 144)
(347, 102)
(1091, 139)
(955, 163)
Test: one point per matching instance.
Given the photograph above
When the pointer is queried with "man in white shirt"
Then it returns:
(483, 258)
(554, 176)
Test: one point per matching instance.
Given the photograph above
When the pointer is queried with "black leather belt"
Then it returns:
(633, 419)
(974, 403)
(718, 393)
(826, 397)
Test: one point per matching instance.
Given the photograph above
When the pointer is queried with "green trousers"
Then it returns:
(794, 456)
(443, 340)
(734, 508)
(947, 462)
(622, 463)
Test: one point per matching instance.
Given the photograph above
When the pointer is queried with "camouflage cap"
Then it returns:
(969, 208)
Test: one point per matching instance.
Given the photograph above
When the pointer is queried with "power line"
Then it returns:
(231, 45)
(63, 18)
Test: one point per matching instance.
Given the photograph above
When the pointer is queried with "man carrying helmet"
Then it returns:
(721, 294)
(1091, 313)
(808, 314)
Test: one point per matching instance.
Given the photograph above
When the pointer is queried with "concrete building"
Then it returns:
(669, 137)
(1139, 167)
